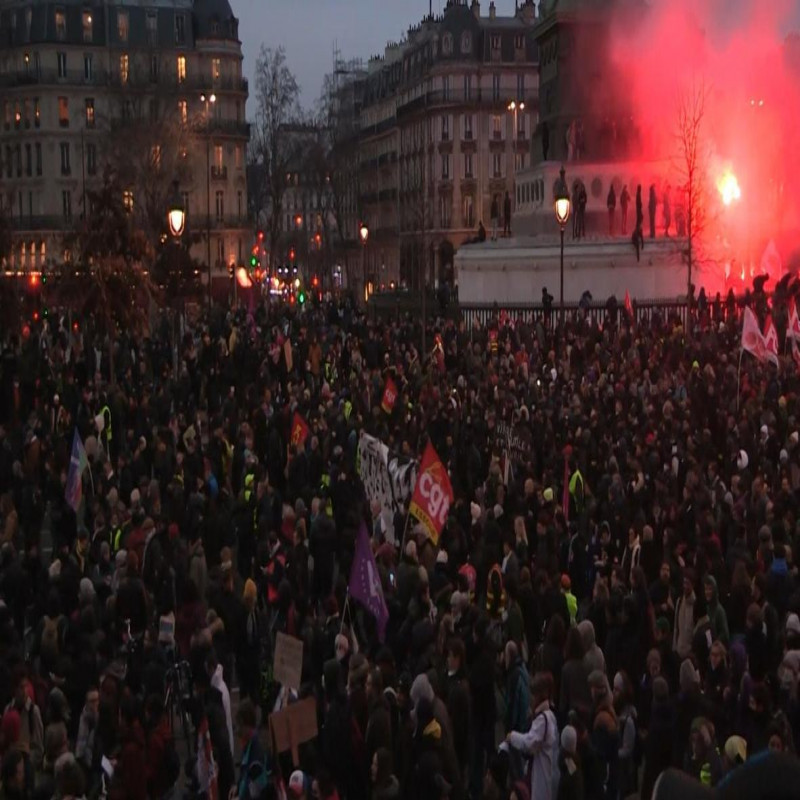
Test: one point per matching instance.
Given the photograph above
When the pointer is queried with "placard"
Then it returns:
(294, 726)
(287, 667)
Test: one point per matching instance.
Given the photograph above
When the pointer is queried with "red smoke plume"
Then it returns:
(740, 53)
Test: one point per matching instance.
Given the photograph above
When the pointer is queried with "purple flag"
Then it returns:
(365, 583)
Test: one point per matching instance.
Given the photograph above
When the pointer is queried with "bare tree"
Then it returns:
(270, 146)
(692, 165)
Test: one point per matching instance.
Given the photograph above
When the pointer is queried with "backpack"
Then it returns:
(49, 647)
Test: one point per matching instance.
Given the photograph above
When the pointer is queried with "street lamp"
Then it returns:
(562, 207)
(514, 107)
(176, 214)
(363, 234)
(209, 101)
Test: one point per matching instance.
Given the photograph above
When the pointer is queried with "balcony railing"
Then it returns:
(229, 127)
(40, 223)
(475, 97)
(219, 173)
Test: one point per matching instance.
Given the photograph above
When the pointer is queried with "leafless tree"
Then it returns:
(270, 154)
(692, 159)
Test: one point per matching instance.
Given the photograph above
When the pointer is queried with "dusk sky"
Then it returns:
(308, 29)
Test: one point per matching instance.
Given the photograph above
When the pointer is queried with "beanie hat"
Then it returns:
(421, 689)
(569, 740)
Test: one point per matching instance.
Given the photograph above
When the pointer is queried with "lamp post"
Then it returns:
(562, 208)
(363, 234)
(209, 101)
(176, 213)
(514, 107)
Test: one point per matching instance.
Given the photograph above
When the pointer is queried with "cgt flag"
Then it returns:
(432, 494)
(752, 338)
(793, 328)
(771, 340)
(389, 395)
(78, 462)
(365, 583)
(300, 431)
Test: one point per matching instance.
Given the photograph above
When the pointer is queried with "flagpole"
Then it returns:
(738, 377)
(346, 609)
(405, 532)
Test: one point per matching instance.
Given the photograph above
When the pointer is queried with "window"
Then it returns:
(28, 160)
(122, 25)
(521, 126)
(127, 200)
(181, 69)
(88, 67)
(6, 114)
(219, 205)
(445, 166)
(218, 156)
(87, 26)
(216, 69)
(42, 251)
(38, 159)
(468, 87)
(154, 68)
(17, 114)
(27, 112)
(519, 42)
(220, 251)
(26, 61)
(445, 87)
(468, 127)
(497, 165)
(9, 162)
(18, 158)
(468, 211)
(28, 20)
(466, 43)
(521, 86)
(152, 109)
(65, 166)
(91, 159)
(519, 161)
(66, 203)
(151, 23)
(495, 87)
(446, 128)
(495, 41)
(468, 173)
(90, 112)
(447, 44)
(37, 112)
(61, 24)
(61, 58)
(444, 211)
(239, 204)
(180, 29)
(37, 64)
(183, 110)
(63, 112)
(237, 152)
(123, 68)
(497, 127)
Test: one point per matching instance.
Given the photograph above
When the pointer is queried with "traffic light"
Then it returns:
(291, 254)
(44, 279)
(230, 271)
(314, 281)
(33, 280)
(301, 297)
(253, 261)
(260, 236)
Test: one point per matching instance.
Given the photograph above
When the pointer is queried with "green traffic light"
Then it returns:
(301, 298)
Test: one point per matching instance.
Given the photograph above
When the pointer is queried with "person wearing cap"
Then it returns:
(572, 601)
(734, 754)
(570, 769)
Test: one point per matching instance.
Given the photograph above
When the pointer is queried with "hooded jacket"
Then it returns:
(716, 613)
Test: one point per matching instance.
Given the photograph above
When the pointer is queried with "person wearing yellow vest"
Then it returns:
(572, 601)
(577, 491)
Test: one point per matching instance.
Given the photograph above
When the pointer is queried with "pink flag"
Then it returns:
(771, 340)
(752, 338)
(365, 583)
(793, 328)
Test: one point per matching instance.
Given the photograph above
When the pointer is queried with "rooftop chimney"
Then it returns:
(492, 10)
(476, 9)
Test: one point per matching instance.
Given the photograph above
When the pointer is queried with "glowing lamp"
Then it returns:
(243, 278)
(363, 233)
(561, 204)
(176, 215)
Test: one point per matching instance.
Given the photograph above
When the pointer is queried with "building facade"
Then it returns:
(74, 75)
(439, 138)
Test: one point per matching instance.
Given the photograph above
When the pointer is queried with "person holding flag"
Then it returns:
(78, 462)
(433, 494)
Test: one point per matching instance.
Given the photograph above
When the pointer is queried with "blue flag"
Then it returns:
(77, 464)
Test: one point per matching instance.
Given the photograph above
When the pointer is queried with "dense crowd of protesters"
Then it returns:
(621, 597)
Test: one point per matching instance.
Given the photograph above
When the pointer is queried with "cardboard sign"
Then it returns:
(294, 726)
(288, 665)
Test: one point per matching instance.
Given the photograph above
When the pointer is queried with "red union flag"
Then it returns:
(300, 431)
(432, 494)
(771, 340)
(793, 329)
(389, 395)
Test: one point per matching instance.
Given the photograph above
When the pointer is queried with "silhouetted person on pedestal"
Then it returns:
(481, 232)
(547, 304)
(652, 204)
(667, 210)
(507, 215)
(639, 208)
(638, 241)
(582, 200)
(624, 201)
(611, 203)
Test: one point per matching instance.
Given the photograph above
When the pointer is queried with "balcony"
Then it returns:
(486, 98)
(38, 224)
(219, 173)
(229, 127)
(197, 222)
